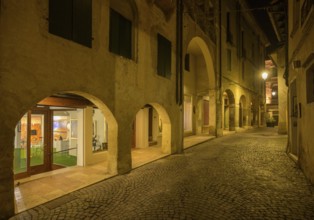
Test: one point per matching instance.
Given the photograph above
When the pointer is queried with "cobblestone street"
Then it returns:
(247, 175)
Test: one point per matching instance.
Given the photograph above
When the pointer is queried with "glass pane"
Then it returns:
(37, 140)
(20, 146)
(100, 131)
(64, 138)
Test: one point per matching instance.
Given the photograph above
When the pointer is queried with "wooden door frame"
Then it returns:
(47, 163)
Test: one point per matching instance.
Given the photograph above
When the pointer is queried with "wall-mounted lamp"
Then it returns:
(273, 93)
(264, 75)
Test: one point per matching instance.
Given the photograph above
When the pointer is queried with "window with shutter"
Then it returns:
(72, 20)
(310, 84)
(164, 57)
(120, 35)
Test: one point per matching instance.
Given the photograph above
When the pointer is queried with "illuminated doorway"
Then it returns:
(56, 134)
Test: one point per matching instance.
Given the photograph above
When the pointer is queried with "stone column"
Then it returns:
(282, 95)
(6, 172)
(124, 159)
(212, 112)
(233, 121)
(236, 116)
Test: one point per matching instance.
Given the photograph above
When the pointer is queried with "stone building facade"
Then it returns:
(97, 78)
(242, 55)
(300, 78)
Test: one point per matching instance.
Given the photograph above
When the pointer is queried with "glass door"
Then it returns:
(37, 142)
(20, 146)
(31, 153)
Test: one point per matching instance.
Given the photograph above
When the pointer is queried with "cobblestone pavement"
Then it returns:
(242, 176)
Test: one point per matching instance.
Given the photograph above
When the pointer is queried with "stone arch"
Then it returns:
(152, 126)
(127, 8)
(112, 131)
(199, 89)
(229, 110)
(197, 44)
(110, 119)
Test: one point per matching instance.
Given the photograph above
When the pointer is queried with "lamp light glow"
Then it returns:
(264, 75)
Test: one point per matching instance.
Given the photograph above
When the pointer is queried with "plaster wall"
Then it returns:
(282, 93)
(35, 64)
(300, 48)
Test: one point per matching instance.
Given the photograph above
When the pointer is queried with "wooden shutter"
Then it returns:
(160, 57)
(125, 37)
(120, 39)
(60, 18)
(164, 57)
(82, 22)
(114, 32)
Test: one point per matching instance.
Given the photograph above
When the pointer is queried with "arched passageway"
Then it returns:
(63, 130)
(199, 90)
(67, 129)
(151, 134)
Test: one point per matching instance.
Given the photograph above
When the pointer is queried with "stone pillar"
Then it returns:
(233, 121)
(212, 112)
(245, 117)
(6, 172)
(124, 159)
(236, 116)
(282, 96)
(88, 136)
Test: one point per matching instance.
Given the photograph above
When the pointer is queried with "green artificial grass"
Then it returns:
(37, 158)
(64, 159)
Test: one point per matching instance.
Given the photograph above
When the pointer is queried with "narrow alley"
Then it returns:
(246, 175)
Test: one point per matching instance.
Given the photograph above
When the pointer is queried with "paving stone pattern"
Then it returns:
(242, 176)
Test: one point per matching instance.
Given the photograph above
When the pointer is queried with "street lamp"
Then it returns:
(264, 75)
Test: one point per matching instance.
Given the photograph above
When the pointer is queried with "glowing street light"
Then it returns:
(264, 75)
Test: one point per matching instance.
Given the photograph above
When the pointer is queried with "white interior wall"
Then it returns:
(141, 135)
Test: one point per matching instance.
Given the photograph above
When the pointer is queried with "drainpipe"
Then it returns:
(220, 48)
(219, 81)
(179, 77)
(286, 73)
(179, 80)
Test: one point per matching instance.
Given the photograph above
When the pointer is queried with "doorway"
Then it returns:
(32, 153)
(48, 138)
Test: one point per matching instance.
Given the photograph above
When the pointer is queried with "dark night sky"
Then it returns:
(259, 10)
